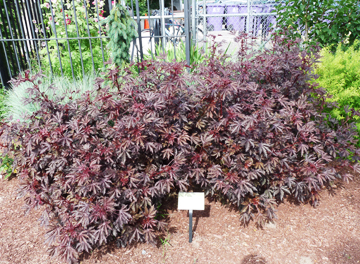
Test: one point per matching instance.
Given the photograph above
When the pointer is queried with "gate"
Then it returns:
(222, 17)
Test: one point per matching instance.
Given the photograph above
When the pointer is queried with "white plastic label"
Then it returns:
(191, 201)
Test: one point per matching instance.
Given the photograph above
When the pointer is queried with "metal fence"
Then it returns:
(66, 37)
(29, 38)
(254, 17)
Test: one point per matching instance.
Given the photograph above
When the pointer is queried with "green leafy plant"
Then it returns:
(72, 19)
(6, 166)
(165, 243)
(339, 74)
(121, 30)
(160, 214)
(318, 21)
(3, 99)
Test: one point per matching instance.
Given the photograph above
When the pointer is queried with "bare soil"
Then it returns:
(302, 234)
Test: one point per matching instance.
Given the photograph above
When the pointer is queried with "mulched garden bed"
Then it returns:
(302, 234)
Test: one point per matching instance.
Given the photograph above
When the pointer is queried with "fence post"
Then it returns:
(46, 43)
(68, 42)
(5, 73)
(30, 7)
(139, 28)
(162, 9)
(12, 37)
(193, 14)
(187, 30)
(23, 35)
(205, 24)
(110, 6)
(248, 17)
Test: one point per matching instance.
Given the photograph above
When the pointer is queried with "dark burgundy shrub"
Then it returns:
(262, 133)
(99, 164)
(251, 131)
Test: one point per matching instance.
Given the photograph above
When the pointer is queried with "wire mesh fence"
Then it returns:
(256, 18)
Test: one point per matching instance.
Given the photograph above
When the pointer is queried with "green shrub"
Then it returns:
(339, 74)
(17, 110)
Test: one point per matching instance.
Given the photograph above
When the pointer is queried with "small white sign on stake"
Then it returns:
(191, 201)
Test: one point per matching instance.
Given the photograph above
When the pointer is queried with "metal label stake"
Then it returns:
(191, 201)
(190, 225)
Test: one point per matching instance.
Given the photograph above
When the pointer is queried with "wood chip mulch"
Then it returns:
(302, 234)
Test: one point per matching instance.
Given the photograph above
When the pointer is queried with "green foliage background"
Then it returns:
(327, 22)
(197, 53)
(82, 50)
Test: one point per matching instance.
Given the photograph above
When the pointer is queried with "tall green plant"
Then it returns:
(326, 22)
(121, 30)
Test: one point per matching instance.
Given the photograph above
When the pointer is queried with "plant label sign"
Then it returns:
(191, 201)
